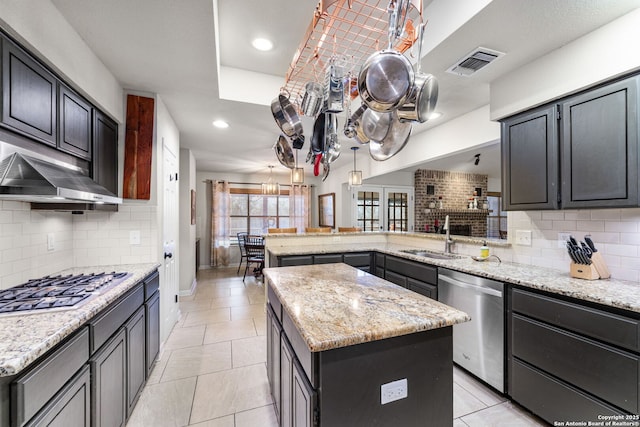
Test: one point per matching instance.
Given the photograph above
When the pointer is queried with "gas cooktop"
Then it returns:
(57, 292)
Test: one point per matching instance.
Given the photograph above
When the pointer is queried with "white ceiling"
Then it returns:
(173, 48)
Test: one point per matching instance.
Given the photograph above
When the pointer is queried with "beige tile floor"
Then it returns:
(212, 370)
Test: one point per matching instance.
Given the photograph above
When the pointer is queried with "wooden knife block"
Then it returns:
(583, 271)
(601, 266)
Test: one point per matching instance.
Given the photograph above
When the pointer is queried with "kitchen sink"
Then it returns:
(429, 254)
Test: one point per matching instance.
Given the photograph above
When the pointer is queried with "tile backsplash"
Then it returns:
(93, 238)
(615, 232)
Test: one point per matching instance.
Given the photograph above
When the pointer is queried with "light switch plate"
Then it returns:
(523, 237)
(51, 242)
(134, 237)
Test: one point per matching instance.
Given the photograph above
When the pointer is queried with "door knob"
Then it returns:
(168, 255)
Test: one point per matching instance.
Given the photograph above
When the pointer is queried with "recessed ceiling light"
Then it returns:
(262, 44)
(433, 116)
(220, 124)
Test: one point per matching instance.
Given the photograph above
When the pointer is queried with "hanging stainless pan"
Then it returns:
(396, 138)
(355, 126)
(286, 116)
(386, 77)
(423, 96)
(317, 140)
(331, 144)
(284, 153)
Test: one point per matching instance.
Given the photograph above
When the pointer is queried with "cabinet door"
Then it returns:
(396, 278)
(105, 152)
(28, 95)
(109, 383)
(600, 147)
(75, 124)
(70, 407)
(286, 381)
(327, 258)
(530, 160)
(304, 403)
(296, 260)
(152, 307)
(273, 357)
(136, 361)
(423, 288)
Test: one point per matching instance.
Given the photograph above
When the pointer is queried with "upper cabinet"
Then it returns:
(75, 124)
(530, 160)
(29, 94)
(105, 152)
(580, 152)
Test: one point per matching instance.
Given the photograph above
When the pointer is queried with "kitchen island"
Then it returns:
(337, 335)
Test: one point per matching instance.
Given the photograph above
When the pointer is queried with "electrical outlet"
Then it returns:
(562, 239)
(395, 390)
(134, 237)
(523, 237)
(51, 242)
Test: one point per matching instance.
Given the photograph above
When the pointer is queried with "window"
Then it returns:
(397, 211)
(497, 219)
(255, 213)
(368, 209)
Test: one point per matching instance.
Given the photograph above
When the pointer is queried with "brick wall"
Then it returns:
(455, 188)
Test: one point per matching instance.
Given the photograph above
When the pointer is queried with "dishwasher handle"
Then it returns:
(478, 289)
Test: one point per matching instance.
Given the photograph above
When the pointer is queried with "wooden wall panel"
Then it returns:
(138, 148)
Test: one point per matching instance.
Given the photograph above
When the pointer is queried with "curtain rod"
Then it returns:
(256, 183)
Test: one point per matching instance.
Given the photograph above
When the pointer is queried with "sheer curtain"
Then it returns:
(220, 223)
(299, 202)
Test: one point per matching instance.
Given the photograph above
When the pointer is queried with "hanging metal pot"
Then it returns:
(386, 77)
(397, 136)
(423, 97)
(284, 153)
(312, 99)
(355, 125)
(286, 117)
(331, 145)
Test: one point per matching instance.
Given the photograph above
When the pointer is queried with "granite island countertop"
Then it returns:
(336, 305)
(610, 292)
(25, 337)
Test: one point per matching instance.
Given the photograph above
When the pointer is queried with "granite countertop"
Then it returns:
(25, 337)
(336, 305)
(610, 292)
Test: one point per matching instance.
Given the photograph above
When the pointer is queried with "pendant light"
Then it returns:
(297, 174)
(355, 176)
(270, 187)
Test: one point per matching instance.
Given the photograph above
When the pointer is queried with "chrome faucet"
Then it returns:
(448, 242)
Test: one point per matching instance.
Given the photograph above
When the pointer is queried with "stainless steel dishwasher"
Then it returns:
(478, 345)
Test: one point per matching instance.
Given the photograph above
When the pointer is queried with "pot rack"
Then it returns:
(347, 31)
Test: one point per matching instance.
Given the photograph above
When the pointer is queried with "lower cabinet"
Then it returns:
(109, 383)
(286, 381)
(413, 275)
(136, 358)
(360, 260)
(152, 319)
(588, 365)
(303, 405)
(273, 356)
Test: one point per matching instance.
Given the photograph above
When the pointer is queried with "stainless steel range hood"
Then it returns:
(29, 179)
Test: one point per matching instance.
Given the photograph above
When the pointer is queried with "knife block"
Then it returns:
(600, 265)
(582, 271)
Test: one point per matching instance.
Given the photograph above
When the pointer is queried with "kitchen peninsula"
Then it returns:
(337, 335)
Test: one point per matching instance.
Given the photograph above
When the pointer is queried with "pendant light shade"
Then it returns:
(355, 176)
(270, 187)
(297, 174)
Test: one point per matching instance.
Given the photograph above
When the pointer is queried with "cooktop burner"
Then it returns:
(57, 292)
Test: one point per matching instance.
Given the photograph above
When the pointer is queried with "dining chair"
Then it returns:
(254, 245)
(317, 230)
(243, 253)
(282, 230)
(349, 229)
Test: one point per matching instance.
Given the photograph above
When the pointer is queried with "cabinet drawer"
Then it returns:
(415, 270)
(107, 323)
(358, 259)
(614, 329)
(273, 300)
(398, 279)
(380, 260)
(327, 258)
(151, 284)
(296, 260)
(551, 399)
(32, 391)
(604, 371)
(422, 288)
(305, 356)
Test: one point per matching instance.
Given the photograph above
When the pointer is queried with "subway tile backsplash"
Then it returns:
(616, 233)
(93, 238)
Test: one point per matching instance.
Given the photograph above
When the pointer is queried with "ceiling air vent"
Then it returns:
(473, 61)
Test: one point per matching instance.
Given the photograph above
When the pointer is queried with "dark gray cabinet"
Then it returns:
(587, 366)
(302, 398)
(599, 133)
(285, 261)
(530, 160)
(286, 382)
(579, 152)
(360, 260)
(152, 312)
(136, 360)
(105, 151)
(75, 124)
(413, 275)
(29, 94)
(109, 383)
(273, 356)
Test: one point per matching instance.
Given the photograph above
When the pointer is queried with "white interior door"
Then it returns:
(169, 308)
(377, 208)
(398, 208)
